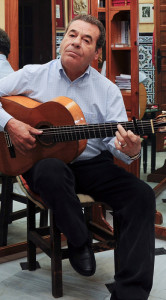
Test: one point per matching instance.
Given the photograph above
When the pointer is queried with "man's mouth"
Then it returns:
(72, 53)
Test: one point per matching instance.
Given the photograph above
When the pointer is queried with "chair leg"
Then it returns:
(31, 247)
(116, 235)
(56, 258)
(6, 208)
(44, 218)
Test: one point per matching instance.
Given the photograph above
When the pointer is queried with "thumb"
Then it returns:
(35, 131)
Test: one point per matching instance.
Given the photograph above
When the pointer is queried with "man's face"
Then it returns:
(78, 47)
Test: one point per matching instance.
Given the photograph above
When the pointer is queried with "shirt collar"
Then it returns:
(62, 71)
(3, 57)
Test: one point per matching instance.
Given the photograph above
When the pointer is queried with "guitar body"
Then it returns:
(61, 111)
(65, 131)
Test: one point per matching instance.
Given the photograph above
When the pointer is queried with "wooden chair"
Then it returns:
(49, 239)
(7, 215)
(146, 138)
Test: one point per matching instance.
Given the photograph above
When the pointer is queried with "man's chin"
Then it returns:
(71, 61)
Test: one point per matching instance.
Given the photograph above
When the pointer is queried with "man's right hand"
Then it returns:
(22, 135)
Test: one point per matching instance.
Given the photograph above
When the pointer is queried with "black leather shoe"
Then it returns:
(82, 259)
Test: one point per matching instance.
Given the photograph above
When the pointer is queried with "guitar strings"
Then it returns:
(91, 127)
(105, 128)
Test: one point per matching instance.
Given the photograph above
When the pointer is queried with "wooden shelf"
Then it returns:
(120, 8)
(120, 48)
(101, 9)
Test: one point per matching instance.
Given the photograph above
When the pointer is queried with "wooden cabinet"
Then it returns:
(121, 51)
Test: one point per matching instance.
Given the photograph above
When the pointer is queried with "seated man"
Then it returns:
(5, 67)
(94, 171)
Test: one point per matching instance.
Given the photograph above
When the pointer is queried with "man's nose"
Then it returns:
(77, 41)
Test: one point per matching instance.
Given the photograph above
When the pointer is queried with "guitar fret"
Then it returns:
(74, 136)
(142, 127)
(70, 135)
(100, 132)
(82, 132)
(67, 133)
(105, 130)
(112, 132)
(133, 127)
(92, 132)
(79, 133)
(60, 136)
(95, 133)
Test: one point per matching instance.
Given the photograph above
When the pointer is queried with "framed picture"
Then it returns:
(78, 7)
(60, 15)
(146, 13)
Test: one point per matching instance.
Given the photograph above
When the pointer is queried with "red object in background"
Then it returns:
(60, 15)
(120, 2)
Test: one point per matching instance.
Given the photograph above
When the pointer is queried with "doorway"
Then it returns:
(35, 32)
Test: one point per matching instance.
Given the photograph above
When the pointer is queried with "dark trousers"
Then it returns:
(132, 200)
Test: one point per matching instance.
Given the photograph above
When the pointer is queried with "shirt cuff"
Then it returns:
(4, 119)
(128, 160)
(135, 156)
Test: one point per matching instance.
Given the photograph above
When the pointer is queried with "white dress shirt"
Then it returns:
(5, 67)
(99, 99)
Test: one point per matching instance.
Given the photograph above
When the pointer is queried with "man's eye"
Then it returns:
(87, 41)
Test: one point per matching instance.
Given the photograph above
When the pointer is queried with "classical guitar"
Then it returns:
(65, 131)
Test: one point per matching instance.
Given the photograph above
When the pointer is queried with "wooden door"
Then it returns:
(160, 51)
(160, 61)
(12, 28)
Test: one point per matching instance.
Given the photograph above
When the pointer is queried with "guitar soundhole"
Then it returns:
(47, 139)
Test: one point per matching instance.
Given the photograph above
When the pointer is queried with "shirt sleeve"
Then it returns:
(14, 84)
(116, 112)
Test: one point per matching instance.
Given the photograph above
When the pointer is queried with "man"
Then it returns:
(5, 67)
(93, 172)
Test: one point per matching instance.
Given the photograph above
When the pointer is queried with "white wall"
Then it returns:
(2, 14)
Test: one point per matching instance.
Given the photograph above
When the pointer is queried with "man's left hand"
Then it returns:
(127, 142)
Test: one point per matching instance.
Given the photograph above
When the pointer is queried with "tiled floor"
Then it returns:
(16, 284)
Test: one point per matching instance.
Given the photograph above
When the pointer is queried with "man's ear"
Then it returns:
(97, 53)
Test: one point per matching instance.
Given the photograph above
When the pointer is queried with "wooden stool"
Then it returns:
(49, 239)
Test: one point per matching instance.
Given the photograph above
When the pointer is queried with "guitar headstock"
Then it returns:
(161, 122)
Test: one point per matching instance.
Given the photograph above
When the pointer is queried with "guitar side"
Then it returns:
(58, 112)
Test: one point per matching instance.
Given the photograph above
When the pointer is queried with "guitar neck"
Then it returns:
(91, 131)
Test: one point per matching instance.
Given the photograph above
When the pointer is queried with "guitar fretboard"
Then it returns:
(90, 131)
